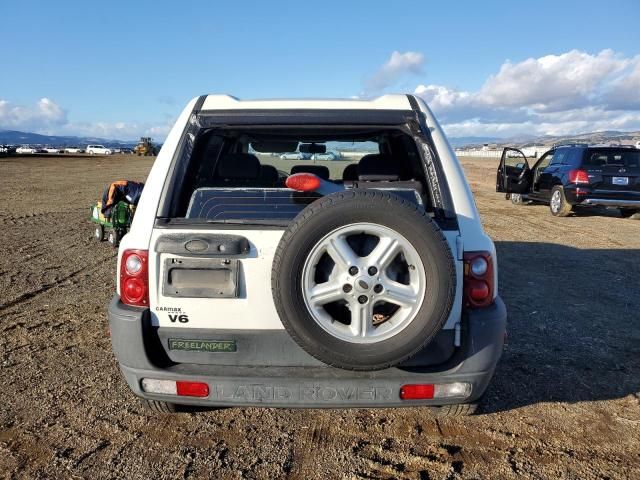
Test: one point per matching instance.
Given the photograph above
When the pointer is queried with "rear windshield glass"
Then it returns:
(241, 174)
(618, 158)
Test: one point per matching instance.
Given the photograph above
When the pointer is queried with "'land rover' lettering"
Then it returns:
(306, 393)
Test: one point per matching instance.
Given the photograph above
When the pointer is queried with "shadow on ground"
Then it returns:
(573, 333)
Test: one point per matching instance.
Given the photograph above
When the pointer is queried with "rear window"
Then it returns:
(235, 175)
(613, 157)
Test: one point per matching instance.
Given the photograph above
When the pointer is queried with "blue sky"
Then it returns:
(125, 68)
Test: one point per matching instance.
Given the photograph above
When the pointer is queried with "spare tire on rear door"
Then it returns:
(363, 280)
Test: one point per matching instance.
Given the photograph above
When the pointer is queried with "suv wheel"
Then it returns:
(459, 410)
(363, 280)
(516, 199)
(558, 204)
(629, 213)
(160, 407)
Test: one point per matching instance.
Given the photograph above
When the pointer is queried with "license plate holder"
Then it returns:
(620, 180)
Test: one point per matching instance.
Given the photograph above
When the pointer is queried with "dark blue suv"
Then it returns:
(570, 177)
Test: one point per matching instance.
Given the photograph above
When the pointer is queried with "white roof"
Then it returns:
(384, 102)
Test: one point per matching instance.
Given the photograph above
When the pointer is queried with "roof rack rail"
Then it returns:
(593, 145)
(611, 145)
(558, 145)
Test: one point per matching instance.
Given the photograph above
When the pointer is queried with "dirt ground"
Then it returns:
(564, 402)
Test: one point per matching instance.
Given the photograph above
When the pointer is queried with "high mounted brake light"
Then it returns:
(134, 278)
(478, 280)
(578, 176)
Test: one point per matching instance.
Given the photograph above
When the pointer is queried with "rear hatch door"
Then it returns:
(613, 172)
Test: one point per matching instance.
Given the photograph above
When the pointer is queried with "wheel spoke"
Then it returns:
(341, 253)
(386, 250)
(324, 293)
(361, 319)
(398, 294)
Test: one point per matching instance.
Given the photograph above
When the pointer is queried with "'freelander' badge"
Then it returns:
(216, 346)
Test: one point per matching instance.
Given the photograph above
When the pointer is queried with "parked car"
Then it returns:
(571, 177)
(27, 149)
(239, 285)
(7, 149)
(126, 151)
(74, 150)
(330, 156)
(296, 156)
(98, 149)
(52, 150)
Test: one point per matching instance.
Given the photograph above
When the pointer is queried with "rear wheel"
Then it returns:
(160, 407)
(630, 213)
(98, 233)
(516, 199)
(558, 205)
(459, 410)
(114, 237)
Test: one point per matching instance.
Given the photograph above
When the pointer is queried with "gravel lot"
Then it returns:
(564, 403)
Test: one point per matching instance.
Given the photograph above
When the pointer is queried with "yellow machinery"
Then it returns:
(145, 147)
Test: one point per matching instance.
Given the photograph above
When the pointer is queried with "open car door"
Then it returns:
(514, 173)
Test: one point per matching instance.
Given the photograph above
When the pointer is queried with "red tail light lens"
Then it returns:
(134, 278)
(478, 279)
(578, 176)
(303, 182)
(192, 389)
(417, 392)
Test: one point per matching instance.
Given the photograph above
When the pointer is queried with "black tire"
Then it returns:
(630, 213)
(113, 237)
(346, 208)
(98, 233)
(516, 199)
(160, 407)
(564, 209)
(459, 410)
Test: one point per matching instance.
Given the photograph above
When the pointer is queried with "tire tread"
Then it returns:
(327, 202)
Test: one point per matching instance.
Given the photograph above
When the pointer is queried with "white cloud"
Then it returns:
(554, 94)
(398, 65)
(49, 118)
(45, 113)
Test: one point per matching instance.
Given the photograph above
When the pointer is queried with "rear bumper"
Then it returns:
(316, 386)
(610, 202)
(604, 198)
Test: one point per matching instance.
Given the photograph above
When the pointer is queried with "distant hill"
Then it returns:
(464, 141)
(14, 137)
(606, 137)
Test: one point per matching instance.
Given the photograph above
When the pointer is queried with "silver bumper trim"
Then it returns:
(611, 203)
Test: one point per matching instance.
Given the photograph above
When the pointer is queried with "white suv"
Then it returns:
(251, 280)
(99, 149)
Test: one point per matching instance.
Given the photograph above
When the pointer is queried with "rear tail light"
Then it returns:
(578, 176)
(478, 279)
(134, 278)
(303, 182)
(416, 392)
(428, 391)
(192, 389)
(171, 387)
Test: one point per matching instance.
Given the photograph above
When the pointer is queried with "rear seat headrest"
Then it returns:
(239, 166)
(319, 170)
(377, 166)
(350, 172)
(268, 174)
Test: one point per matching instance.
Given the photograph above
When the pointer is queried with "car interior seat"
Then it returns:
(319, 170)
